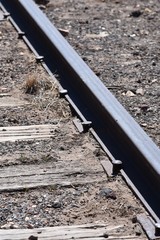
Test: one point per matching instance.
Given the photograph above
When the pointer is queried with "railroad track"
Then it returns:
(128, 150)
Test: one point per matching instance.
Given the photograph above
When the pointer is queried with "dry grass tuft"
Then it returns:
(31, 85)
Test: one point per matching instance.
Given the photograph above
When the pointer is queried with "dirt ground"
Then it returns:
(106, 35)
(120, 41)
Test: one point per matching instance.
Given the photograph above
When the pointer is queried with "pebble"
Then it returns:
(140, 91)
(30, 226)
(154, 80)
(129, 94)
(32, 238)
(10, 225)
(42, 7)
(134, 219)
(136, 13)
(138, 230)
(107, 193)
(143, 124)
(27, 218)
(64, 32)
(57, 204)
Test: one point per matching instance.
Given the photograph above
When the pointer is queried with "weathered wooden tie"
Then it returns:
(78, 232)
(26, 132)
(63, 173)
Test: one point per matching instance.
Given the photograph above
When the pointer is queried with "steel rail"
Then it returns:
(119, 133)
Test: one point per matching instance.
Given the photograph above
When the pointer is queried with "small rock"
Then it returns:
(134, 219)
(21, 53)
(57, 204)
(136, 53)
(144, 108)
(140, 91)
(154, 80)
(14, 226)
(64, 32)
(144, 32)
(107, 193)
(132, 35)
(136, 13)
(6, 226)
(143, 124)
(105, 235)
(30, 226)
(34, 206)
(32, 238)
(154, 63)
(10, 225)
(147, 10)
(130, 94)
(3, 89)
(62, 148)
(27, 218)
(138, 230)
(42, 7)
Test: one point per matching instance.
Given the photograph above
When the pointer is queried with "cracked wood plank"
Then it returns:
(78, 232)
(63, 173)
(26, 132)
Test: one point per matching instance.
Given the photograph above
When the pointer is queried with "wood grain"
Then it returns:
(26, 132)
(77, 232)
